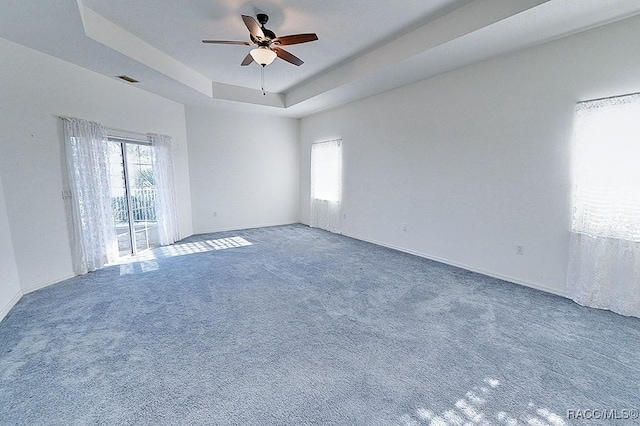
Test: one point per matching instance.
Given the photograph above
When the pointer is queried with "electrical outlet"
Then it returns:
(520, 249)
(404, 227)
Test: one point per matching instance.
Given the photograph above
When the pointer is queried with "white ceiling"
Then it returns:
(364, 47)
(345, 29)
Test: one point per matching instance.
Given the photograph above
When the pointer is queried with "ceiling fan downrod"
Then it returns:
(262, 18)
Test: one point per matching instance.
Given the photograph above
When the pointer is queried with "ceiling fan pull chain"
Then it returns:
(262, 80)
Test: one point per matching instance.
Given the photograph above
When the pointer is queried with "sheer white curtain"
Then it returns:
(87, 159)
(326, 186)
(604, 262)
(162, 164)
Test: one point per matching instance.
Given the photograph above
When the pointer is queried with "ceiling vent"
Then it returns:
(127, 79)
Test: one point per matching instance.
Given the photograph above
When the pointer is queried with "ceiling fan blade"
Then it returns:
(247, 60)
(283, 54)
(295, 39)
(244, 43)
(253, 27)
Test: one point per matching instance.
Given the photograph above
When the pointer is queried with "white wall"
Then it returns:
(477, 161)
(34, 90)
(9, 282)
(244, 167)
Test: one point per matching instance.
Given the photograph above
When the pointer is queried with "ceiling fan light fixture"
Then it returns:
(263, 55)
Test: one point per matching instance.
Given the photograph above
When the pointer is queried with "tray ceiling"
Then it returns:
(364, 47)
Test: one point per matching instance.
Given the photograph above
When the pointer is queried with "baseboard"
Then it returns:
(465, 267)
(32, 288)
(5, 309)
(243, 227)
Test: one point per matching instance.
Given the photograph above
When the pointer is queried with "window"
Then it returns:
(605, 240)
(326, 185)
(607, 168)
(117, 185)
(325, 165)
(133, 195)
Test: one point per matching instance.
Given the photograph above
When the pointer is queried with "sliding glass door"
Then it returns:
(133, 196)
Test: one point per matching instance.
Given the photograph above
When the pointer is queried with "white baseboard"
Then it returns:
(34, 287)
(243, 227)
(466, 267)
(6, 308)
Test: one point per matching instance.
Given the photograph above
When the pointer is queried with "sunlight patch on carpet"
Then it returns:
(203, 246)
(472, 410)
(145, 261)
(181, 249)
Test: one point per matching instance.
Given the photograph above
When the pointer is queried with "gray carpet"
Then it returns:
(305, 327)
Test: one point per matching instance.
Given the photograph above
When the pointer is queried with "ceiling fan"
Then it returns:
(268, 44)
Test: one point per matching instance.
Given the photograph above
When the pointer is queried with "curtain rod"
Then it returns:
(127, 135)
(127, 131)
(130, 134)
(609, 97)
(123, 134)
